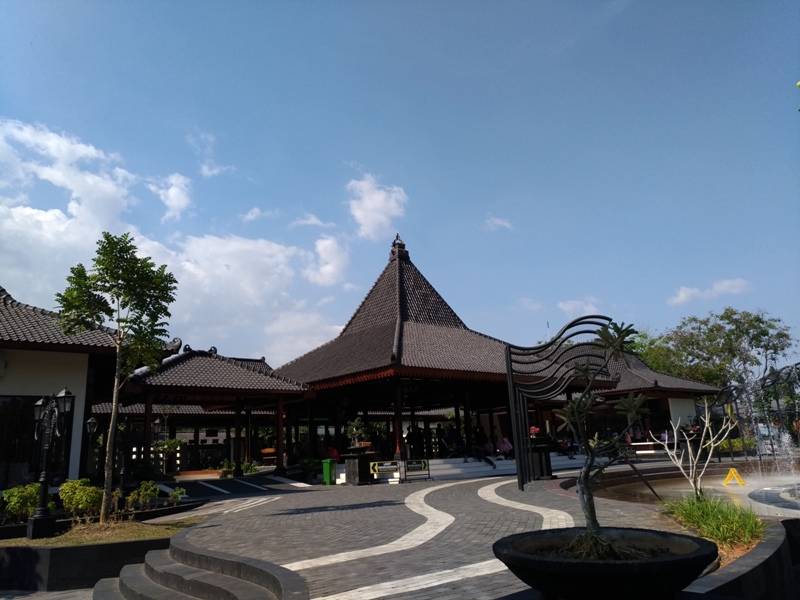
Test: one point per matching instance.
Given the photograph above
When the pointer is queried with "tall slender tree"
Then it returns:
(129, 297)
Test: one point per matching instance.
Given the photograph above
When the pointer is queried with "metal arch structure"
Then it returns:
(543, 372)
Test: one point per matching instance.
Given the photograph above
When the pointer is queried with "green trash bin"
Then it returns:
(329, 471)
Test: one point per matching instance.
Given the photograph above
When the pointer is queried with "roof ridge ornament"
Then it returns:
(398, 249)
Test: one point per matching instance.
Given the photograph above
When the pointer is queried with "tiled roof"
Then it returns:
(635, 375)
(27, 324)
(403, 321)
(207, 369)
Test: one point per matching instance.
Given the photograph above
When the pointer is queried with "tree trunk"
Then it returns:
(108, 481)
(586, 496)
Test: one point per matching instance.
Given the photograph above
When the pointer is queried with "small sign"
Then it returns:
(384, 467)
(416, 465)
(733, 475)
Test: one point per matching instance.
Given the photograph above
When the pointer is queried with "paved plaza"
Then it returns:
(417, 540)
(421, 540)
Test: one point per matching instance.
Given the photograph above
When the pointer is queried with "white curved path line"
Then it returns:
(551, 518)
(436, 521)
(419, 582)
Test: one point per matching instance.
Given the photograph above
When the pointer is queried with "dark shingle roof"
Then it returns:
(635, 375)
(403, 321)
(207, 369)
(27, 324)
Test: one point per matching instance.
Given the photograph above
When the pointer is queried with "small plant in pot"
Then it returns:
(575, 562)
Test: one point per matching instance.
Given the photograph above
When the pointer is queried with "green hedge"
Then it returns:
(80, 498)
(719, 520)
(737, 445)
(21, 501)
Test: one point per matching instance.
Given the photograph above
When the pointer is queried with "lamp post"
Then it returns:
(47, 412)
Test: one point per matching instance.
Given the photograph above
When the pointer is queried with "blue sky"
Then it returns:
(540, 158)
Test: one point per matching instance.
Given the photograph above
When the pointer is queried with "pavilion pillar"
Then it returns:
(492, 437)
(312, 432)
(467, 423)
(427, 437)
(196, 435)
(173, 460)
(237, 446)
(279, 465)
(248, 435)
(147, 442)
(457, 413)
(230, 442)
(398, 421)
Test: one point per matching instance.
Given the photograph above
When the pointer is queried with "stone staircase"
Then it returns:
(187, 572)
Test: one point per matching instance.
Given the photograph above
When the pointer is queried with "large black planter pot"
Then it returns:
(557, 577)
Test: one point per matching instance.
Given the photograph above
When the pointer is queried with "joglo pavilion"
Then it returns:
(405, 375)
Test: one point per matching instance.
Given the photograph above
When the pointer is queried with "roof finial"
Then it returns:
(398, 249)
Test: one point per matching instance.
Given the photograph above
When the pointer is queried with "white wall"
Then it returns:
(36, 373)
(683, 409)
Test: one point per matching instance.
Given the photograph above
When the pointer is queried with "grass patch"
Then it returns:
(94, 533)
(721, 521)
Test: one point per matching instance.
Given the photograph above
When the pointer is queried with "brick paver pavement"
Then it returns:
(322, 521)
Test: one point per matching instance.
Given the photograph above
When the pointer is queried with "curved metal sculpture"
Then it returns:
(543, 372)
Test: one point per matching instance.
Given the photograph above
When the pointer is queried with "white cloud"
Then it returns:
(530, 304)
(375, 206)
(175, 192)
(330, 263)
(256, 213)
(721, 287)
(229, 287)
(203, 143)
(577, 308)
(494, 223)
(293, 333)
(95, 189)
(310, 220)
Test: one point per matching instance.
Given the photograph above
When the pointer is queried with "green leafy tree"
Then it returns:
(723, 348)
(131, 296)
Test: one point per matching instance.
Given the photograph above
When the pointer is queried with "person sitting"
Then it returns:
(505, 448)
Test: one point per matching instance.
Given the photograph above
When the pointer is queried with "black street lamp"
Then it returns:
(47, 413)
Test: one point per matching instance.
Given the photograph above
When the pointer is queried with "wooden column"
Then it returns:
(248, 435)
(457, 412)
(237, 446)
(398, 421)
(147, 442)
(467, 423)
(279, 464)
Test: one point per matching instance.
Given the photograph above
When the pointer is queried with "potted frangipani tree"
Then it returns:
(576, 562)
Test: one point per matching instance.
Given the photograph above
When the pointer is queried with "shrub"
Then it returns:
(21, 501)
(719, 520)
(80, 498)
(176, 495)
(147, 492)
(737, 445)
(249, 467)
(132, 501)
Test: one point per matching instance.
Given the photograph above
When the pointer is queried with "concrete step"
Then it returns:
(281, 582)
(135, 584)
(199, 583)
(107, 589)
